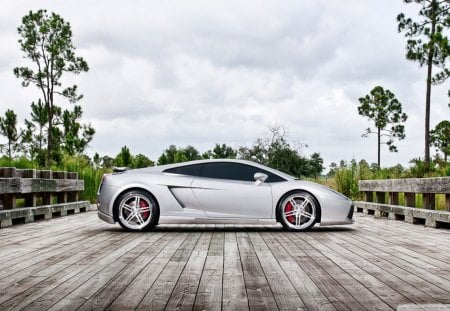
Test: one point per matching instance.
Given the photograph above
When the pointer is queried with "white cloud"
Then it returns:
(206, 72)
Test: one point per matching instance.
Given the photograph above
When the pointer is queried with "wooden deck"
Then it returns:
(79, 262)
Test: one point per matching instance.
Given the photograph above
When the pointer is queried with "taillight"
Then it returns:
(101, 183)
(350, 213)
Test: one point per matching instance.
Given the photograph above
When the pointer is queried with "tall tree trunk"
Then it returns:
(379, 147)
(50, 131)
(429, 75)
(49, 140)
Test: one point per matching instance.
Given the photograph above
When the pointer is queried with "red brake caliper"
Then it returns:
(144, 205)
(289, 208)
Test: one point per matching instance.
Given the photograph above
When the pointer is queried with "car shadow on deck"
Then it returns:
(231, 228)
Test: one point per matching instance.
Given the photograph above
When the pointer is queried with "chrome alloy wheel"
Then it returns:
(135, 211)
(298, 211)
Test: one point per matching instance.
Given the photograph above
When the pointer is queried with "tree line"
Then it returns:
(273, 150)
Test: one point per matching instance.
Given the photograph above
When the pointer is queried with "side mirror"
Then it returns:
(259, 178)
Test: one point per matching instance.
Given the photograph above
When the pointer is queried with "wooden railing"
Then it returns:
(43, 194)
(382, 199)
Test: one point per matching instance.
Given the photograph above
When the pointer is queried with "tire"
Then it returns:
(298, 211)
(143, 218)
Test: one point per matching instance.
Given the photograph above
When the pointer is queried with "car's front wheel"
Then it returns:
(298, 211)
(137, 211)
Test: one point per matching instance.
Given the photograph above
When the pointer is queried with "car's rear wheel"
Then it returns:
(298, 211)
(137, 211)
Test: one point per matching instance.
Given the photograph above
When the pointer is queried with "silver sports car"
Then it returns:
(217, 191)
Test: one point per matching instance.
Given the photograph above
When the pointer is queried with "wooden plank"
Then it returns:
(183, 295)
(416, 185)
(417, 274)
(403, 279)
(234, 293)
(161, 290)
(56, 274)
(38, 185)
(209, 292)
(38, 239)
(378, 265)
(371, 291)
(15, 263)
(86, 264)
(70, 293)
(41, 232)
(132, 295)
(314, 267)
(284, 293)
(52, 263)
(260, 296)
(309, 292)
(108, 293)
(433, 249)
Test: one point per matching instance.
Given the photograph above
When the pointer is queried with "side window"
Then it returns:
(273, 177)
(190, 170)
(235, 171)
(225, 170)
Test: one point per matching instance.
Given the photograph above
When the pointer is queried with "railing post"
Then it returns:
(428, 201)
(393, 198)
(368, 195)
(7, 172)
(381, 197)
(30, 200)
(9, 201)
(410, 199)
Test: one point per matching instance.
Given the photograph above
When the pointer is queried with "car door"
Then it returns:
(228, 190)
(179, 180)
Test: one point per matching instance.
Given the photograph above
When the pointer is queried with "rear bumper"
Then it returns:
(105, 217)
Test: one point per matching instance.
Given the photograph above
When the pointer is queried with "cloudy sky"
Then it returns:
(206, 72)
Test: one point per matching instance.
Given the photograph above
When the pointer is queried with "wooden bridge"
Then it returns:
(79, 262)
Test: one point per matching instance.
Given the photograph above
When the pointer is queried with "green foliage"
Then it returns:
(75, 136)
(21, 163)
(274, 151)
(124, 158)
(46, 40)
(87, 172)
(421, 169)
(33, 138)
(220, 152)
(428, 45)
(316, 165)
(427, 41)
(440, 137)
(140, 161)
(345, 178)
(8, 128)
(107, 162)
(383, 109)
(176, 155)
